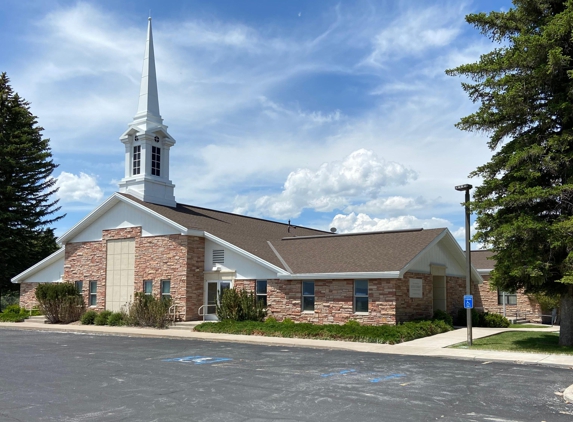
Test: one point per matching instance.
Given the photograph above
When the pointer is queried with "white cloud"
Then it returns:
(82, 188)
(391, 205)
(360, 175)
(414, 32)
(353, 222)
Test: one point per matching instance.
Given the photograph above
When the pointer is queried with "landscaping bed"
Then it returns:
(351, 331)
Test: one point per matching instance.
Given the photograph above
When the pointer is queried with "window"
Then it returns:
(166, 289)
(79, 286)
(361, 296)
(155, 161)
(218, 256)
(262, 292)
(510, 298)
(308, 296)
(93, 293)
(136, 159)
(147, 287)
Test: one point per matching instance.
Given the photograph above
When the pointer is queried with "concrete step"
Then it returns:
(185, 325)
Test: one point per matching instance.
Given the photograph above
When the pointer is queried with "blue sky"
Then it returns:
(331, 114)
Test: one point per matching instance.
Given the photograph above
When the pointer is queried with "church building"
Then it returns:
(142, 240)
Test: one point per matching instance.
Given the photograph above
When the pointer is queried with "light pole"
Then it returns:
(467, 188)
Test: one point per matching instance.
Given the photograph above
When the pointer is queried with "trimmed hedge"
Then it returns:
(483, 319)
(389, 334)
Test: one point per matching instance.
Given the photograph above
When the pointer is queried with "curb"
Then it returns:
(568, 394)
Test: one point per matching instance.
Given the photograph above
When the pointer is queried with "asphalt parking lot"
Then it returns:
(49, 376)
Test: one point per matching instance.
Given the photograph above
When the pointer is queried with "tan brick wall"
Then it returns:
(408, 308)
(177, 258)
(333, 303)
(526, 306)
(455, 294)
(28, 295)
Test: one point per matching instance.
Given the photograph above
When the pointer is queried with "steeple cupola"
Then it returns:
(147, 142)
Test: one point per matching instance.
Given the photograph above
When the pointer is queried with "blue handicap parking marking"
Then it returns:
(344, 372)
(389, 377)
(198, 360)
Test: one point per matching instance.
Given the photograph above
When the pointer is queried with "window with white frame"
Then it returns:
(147, 287)
(136, 159)
(166, 289)
(155, 161)
(361, 296)
(79, 286)
(261, 292)
(308, 296)
(93, 293)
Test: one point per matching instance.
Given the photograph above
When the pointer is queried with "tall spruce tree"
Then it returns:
(524, 206)
(27, 206)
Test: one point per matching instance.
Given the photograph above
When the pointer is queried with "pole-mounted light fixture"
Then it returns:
(467, 188)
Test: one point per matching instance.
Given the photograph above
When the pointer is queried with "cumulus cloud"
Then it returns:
(74, 188)
(352, 223)
(360, 175)
(391, 205)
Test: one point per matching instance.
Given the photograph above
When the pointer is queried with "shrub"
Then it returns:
(494, 321)
(462, 317)
(288, 321)
(60, 302)
(149, 311)
(88, 318)
(240, 306)
(352, 324)
(14, 309)
(102, 317)
(440, 315)
(271, 320)
(116, 319)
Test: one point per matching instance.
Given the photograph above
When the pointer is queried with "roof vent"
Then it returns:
(333, 230)
(218, 256)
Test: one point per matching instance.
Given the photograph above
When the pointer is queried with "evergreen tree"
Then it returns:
(524, 88)
(27, 206)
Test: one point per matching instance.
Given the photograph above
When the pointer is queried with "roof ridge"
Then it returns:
(332, 235)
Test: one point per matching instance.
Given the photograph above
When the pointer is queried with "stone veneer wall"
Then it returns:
(408, 308)
(171, 257)
(526, 306)
(333, 303)
(28, 295)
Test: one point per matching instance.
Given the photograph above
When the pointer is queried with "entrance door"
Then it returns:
(215, 291)
(439, 289)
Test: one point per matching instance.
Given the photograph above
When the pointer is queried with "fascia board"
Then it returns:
(108, 204)
(164, 219)
(325, 276)
(50, 259)
(88, 219)
(462, 257)
(419, 254)
(244, 253)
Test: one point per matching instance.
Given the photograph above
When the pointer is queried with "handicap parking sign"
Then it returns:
(468, 301)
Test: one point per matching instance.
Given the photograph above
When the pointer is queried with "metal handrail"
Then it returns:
(201, 311)
(174, 313)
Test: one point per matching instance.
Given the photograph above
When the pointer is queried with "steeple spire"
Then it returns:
(148, 99)
(147, 142)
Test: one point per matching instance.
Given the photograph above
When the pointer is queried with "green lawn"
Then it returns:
(529, 326)
(520, 341)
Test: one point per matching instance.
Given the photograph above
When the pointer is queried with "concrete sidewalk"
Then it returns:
(435, 346)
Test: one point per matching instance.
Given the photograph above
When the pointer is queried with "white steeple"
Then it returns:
(147, 143)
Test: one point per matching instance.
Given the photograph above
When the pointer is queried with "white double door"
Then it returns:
(214, 292)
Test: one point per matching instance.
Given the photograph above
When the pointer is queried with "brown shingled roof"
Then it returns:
(248, 233)
(481, 261)
(364, 252)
